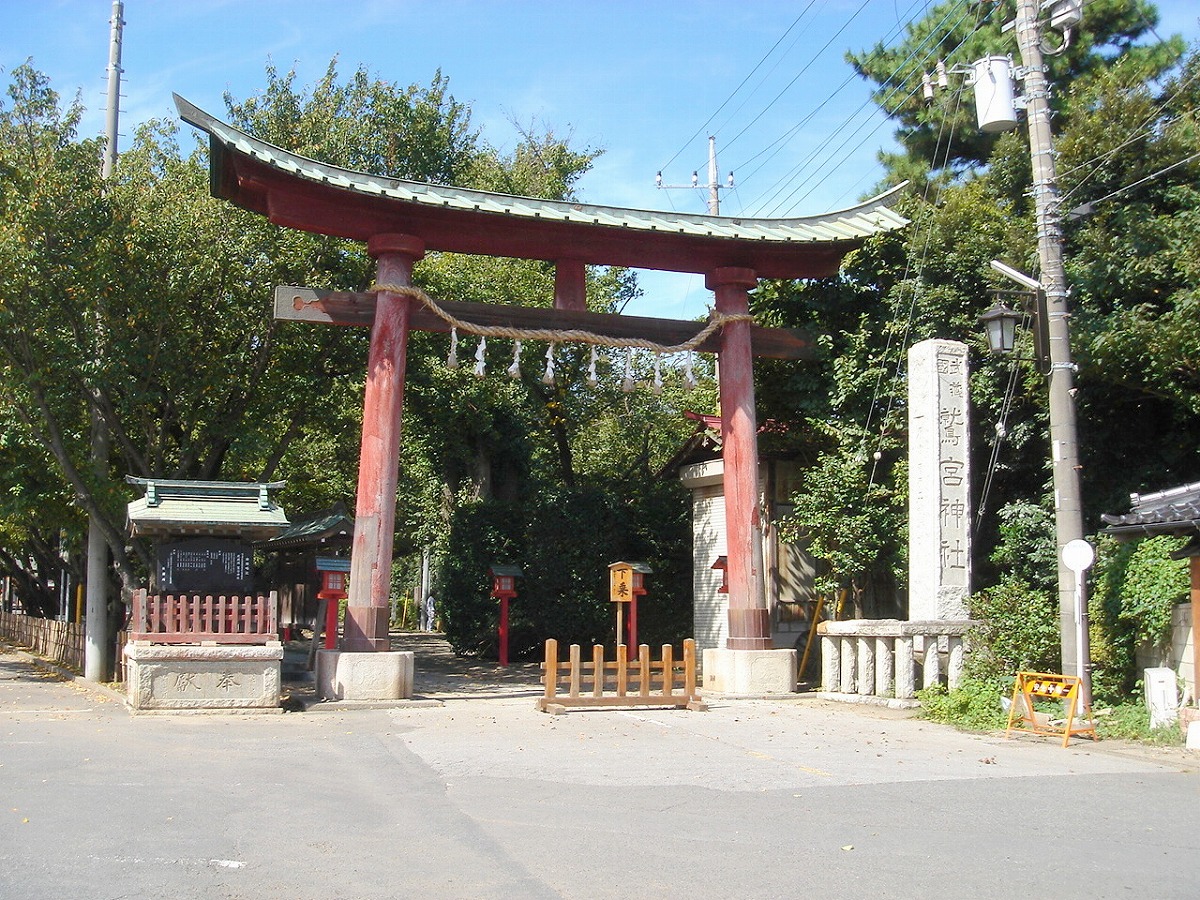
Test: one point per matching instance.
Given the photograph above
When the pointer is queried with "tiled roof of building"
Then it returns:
(334, 524)
(217, 508)
(1173, 511)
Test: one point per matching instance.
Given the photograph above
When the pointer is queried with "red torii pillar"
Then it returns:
(749, 620)
(367, 609)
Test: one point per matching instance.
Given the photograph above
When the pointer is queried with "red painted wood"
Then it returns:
(633, 602)
(325, 209)
(503, 630)
(739, 442)
(192, 619)
(383, 402)
(303, 304)
(570, 284)
(331, 624)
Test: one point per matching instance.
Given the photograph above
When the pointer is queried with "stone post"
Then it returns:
(865, 680)
(831, 671)
(905, 664)
(884, 670)
(939, 481)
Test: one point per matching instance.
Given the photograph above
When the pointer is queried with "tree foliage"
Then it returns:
(1127, 149)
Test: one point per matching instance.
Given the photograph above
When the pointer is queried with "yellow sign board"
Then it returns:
(1031, 687)
(620, 584)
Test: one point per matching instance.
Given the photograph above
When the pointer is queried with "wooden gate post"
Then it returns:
(749, 622)
(367, 607)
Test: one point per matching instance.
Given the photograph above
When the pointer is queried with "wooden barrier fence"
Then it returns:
(192, 619)
(59, 642)
(621, 682)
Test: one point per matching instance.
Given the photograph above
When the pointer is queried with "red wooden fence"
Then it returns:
(191, 619)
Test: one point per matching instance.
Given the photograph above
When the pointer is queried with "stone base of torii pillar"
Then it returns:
(374, 675)
(740, 673)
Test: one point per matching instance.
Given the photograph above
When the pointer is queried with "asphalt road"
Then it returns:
(483, 797)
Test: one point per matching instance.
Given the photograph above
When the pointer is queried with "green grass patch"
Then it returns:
(976, 706)
(1131, 722)
(973, 706)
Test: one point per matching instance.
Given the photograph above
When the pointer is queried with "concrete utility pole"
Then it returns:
(97, 664)
(1064, 444)
(117, 24)
(714, 187)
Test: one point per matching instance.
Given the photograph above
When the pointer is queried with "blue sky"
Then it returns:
(646, 82)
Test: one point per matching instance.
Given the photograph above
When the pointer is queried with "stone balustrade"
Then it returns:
(880, 658)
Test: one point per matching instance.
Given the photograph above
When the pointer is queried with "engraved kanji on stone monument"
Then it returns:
(939, 481)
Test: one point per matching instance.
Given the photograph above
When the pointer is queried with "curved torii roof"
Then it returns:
(300, 193)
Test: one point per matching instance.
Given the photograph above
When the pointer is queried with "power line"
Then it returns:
(757, 66)
(833, 156)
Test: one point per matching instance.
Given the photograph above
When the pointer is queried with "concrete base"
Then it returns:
(749, 672)
(345, 675)
(195, 678)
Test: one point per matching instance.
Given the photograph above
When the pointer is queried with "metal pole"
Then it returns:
(1068, 514)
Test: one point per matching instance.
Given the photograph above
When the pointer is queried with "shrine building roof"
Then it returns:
(171, 508)
(1173, 511)
(311, 196)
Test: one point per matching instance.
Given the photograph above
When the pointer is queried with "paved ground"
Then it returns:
(482, 796)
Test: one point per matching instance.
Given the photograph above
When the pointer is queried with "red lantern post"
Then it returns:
(334, 572)
(722, 566)
(504, 588)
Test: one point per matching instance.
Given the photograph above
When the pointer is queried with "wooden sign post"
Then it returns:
(625, 586)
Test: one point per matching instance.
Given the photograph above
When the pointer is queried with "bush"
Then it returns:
(974, 705)
(1131, 722)
(1134, 590)
(1019, 631)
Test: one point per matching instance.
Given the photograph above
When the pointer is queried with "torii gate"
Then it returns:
(401, 220)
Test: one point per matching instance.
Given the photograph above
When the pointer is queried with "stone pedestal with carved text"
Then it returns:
(188, 677)
(939, 506)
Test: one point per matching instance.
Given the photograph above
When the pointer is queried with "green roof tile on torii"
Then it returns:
(311, 196)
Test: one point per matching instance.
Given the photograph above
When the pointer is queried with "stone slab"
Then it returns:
(203, 678)
(896, 628)
(749, 672)
(350, 675)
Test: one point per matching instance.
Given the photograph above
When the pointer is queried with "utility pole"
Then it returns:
(116, 26)
(1064, 443)
(97, 664)
(714, 187)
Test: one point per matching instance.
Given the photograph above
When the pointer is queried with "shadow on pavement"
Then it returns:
(440, 674)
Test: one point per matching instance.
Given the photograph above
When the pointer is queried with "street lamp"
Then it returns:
(1001, 320)
(1001, 324)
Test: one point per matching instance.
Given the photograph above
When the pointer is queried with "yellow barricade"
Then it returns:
(1033, 686)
